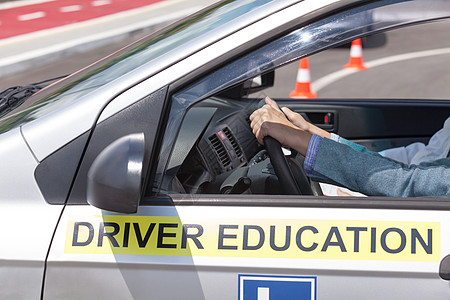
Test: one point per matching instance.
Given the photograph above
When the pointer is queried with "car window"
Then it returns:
(401, 64)
(224, 118)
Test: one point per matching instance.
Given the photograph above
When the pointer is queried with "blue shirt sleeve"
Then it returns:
(310, 158)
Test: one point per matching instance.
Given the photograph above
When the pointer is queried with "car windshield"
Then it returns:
(128, 59)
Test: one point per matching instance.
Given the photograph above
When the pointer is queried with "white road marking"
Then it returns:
(263, 293)
(31, 16)
(70, 8)
(13, 4)
(333, 77)
(100, 2)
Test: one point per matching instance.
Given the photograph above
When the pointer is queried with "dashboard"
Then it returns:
(216, 152)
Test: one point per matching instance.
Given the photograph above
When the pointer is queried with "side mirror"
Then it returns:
(115, 177)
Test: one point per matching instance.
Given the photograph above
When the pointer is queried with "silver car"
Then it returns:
(139, 176)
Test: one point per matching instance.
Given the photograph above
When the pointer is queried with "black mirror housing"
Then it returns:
(115, 177)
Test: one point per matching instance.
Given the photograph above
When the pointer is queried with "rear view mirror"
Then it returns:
(250, 86)
(115, 177)
(260, 83)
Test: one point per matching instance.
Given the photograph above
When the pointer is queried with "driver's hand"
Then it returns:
(298, 120)
(269, 120)
(294, 117)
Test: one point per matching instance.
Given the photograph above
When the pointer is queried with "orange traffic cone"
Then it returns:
(356, 59)
(303, 84)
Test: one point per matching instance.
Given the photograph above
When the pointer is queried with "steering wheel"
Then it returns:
(290, 185)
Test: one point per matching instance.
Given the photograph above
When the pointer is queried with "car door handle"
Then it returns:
(326, 120)
(444, 268)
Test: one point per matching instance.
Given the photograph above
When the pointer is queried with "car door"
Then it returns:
(27, 221)
(191, 239)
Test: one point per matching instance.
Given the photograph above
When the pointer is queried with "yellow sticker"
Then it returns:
(263, 238)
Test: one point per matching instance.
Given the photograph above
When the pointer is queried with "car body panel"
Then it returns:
(341, 248)
(409, 240)
(27, 221)
(237, 240)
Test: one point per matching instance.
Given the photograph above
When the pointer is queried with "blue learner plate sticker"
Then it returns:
(262, 287)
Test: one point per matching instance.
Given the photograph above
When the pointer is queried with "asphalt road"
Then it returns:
(415, 74)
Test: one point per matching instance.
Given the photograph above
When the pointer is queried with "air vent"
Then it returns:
(220, 150)
(233, 142)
